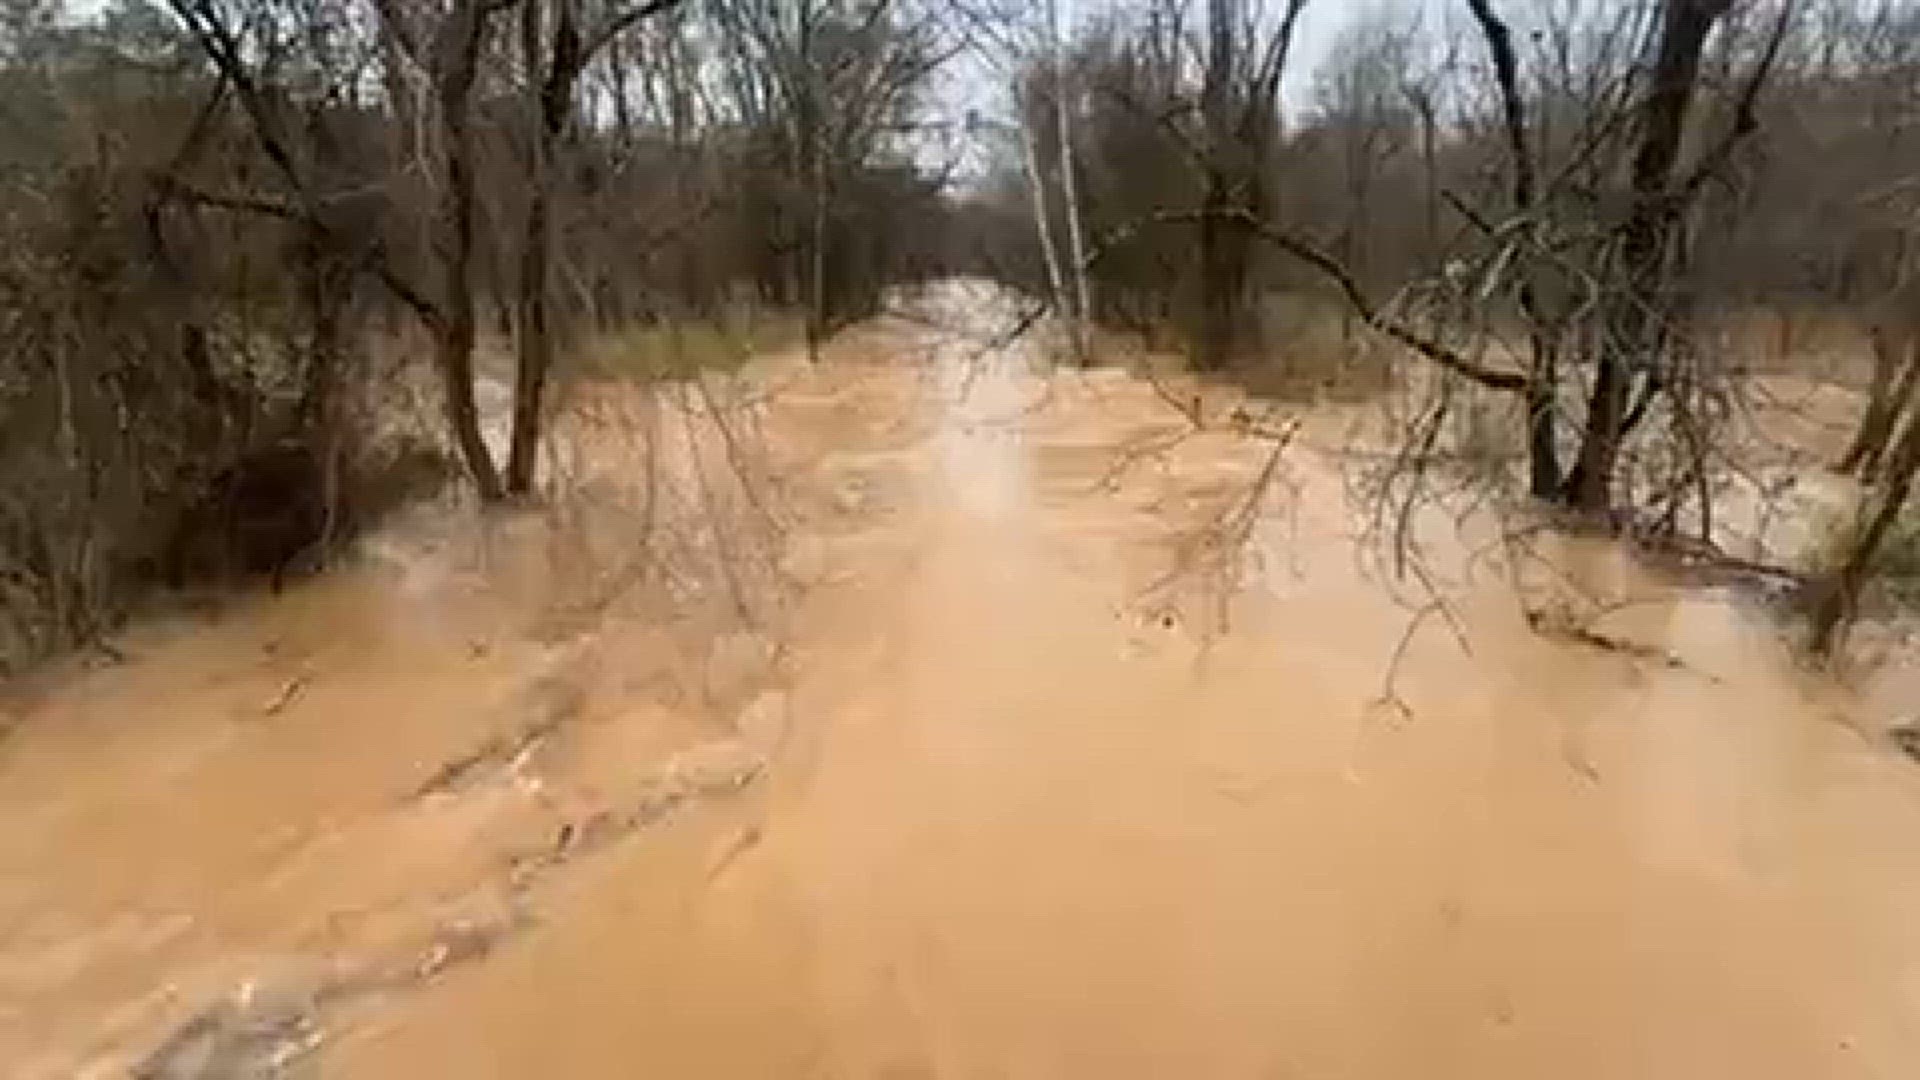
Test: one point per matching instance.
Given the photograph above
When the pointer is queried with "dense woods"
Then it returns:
(1572, 213)
(234, 232)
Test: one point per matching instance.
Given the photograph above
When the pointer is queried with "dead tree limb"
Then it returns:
(1356, 298)
(1542, 439)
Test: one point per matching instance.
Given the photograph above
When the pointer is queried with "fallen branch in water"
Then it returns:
(1562, 624)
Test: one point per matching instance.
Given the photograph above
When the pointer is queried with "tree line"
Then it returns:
(225, 225)
(1562, 206)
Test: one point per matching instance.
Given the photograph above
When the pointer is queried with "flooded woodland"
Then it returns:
(959, 540)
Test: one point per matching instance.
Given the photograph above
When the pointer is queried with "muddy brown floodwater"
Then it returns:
(1013, 784)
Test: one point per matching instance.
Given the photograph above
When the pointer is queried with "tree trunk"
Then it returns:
(1543, 450)
(1543, 438)
(1896, 375)
(552, 111)
(1042, 220)
(817, 256)
(1589, 485)
(453, 355)
(536, 351)
(1839, 597)
(1223, 254)
(457, 55)
(1082, 312)
(1221, 258)
(1636, 318)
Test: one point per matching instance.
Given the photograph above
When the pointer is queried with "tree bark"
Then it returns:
(1838, 598)
(552, 110)
(1082, 313)
(1635, 321)
(1042, 220)
(1896, 375)
(1223, 249)
(456, 59)
(554, 73)
(1543, 449)
(1221, 276)
(817, 315)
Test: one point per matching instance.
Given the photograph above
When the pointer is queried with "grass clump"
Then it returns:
(678, 350)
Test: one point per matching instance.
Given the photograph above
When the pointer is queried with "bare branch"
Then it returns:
(1746, 119)
(1506, 68)
(619, 23)
(1311, 254)
(243, 203)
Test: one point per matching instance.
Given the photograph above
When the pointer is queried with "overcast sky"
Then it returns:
(1321, 24)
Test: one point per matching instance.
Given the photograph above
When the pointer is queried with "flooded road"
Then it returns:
(1062, 754)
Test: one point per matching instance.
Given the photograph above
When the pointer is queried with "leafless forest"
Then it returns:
(1576, 238)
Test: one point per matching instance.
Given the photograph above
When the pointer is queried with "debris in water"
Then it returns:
(288, 692)
(737, 843)
(1905, 734)
(248, 1038)
(458, 943)
(1569, 627)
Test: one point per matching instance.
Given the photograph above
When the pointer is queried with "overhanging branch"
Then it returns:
(247, 204)
(1331, 268)
(1746, 116)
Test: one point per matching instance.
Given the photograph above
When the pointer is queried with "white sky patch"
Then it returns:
(1324, 21)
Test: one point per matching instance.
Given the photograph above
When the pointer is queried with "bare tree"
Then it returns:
(1637, 315)
(1238, 124)
(1543, 476)
(831, 84)
(1583, 163)
(557, 45)
(1081, 310)
(447, 51)
(1835, 600)
(1891, 395)
(1012, 48)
